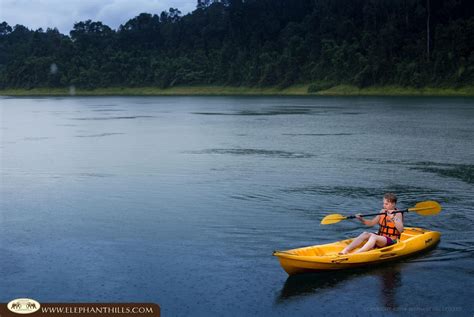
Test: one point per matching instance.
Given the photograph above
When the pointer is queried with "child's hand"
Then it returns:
(359, 216)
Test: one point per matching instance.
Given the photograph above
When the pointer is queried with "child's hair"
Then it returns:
(390, 197)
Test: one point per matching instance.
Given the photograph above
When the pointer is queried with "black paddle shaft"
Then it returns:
(383, 213)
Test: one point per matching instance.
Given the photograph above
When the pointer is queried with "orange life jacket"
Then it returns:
(387, 228)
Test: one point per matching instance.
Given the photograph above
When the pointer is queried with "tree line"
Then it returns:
(253, 43)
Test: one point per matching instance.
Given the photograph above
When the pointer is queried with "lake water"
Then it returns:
(181, 201)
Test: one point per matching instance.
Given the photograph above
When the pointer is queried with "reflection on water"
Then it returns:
(389, 282)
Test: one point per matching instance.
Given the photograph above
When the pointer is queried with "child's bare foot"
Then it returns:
(343, 252)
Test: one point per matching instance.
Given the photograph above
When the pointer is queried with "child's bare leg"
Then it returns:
(370, 244)
(363, 236)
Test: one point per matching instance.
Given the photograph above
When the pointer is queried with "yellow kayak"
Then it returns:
(325, 257)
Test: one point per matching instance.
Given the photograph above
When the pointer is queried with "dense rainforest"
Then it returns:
(277, 43)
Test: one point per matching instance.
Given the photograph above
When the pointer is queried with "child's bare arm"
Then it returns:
(369, 223)
(373, 221)
(398, 220)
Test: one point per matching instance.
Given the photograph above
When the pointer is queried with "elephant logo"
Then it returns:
(23, 306)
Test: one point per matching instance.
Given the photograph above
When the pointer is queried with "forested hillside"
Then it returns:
(277, 43)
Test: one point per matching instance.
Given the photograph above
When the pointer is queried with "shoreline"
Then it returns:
(296, 90)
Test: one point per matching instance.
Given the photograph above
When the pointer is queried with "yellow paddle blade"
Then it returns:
(427, 208)
(333, 218)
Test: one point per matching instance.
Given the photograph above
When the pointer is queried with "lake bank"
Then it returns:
(296, 90)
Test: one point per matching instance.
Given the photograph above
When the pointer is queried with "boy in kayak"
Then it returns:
(391, 227)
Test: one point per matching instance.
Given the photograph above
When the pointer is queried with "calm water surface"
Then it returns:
(181, 201)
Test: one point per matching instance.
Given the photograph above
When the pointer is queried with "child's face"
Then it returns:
(388, 205)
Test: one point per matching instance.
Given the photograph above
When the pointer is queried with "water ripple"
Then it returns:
(407, 192)
(448, 254)
(107, 110)
(111, 118)
(258, 197)
(105, 105)
(98, 135)
(275, 111)
(462, 172)
(317, 134)
(40, 138)
(255, 152)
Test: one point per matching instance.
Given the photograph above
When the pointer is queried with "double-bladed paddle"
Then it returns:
(424, 208)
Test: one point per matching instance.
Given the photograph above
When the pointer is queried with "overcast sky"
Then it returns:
(63, 13)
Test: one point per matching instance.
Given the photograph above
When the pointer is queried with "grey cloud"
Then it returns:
(61, 14)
